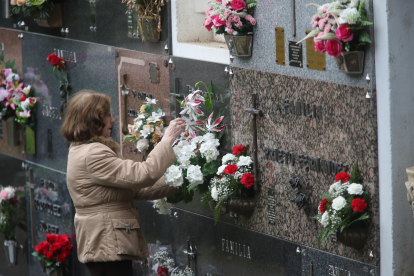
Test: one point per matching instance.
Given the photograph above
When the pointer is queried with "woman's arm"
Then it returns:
(106, 168)
(159, 190)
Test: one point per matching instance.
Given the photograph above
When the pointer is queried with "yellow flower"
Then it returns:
(160, 122)
(142, 109)
(155, 138)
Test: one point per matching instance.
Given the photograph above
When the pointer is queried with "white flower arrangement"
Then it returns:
(162, 207)
(194, 175)
(174, 176)
(186, 272)
(338, 203)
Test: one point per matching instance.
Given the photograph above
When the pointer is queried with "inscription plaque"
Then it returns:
(295, 54)
(271, 206)
(280, 45)
(314, 59)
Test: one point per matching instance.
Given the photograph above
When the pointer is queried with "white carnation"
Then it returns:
(350, 16)
(143, 145)
(25, 104)
(244, 161)
(194, 175)
(220, 170)
(11, 191)
(355, 189)
(208, 136)
(174, 176)
(338, 203)
(197, 140)
(162, 206)
(228, 157)
(209, 150)
(338, 188)
(325, 219)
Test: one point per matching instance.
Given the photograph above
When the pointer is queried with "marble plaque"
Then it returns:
(314, 59)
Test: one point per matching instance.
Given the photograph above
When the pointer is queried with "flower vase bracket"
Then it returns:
(351, 62)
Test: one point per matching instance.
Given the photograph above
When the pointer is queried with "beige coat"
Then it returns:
(103, 186)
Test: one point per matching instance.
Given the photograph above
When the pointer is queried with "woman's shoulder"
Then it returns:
(96, 144)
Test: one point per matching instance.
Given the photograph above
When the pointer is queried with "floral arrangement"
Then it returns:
(339, 26)
(161, 206)
(58, 66)
(186, 272)
(197, 152)
(148, 127)
(146, 8)
(15, 99)
(233, 17)
(346, 205)
(9, 203)
(54, 250)
(165, 263)
(33, 8)
(234, 178)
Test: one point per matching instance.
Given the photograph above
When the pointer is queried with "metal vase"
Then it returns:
(56, 271)
(351, 62)
(224, 207)
(239, 45)
(10, 248)
(148, 28)
(54, 20)
(353, 237)
(242, 206)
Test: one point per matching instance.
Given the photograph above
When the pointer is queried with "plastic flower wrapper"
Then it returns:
(148, 127)
(233, 178)
(345, 205)
(197, 151)
(339, 26)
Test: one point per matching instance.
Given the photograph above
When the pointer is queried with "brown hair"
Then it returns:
(84, 116)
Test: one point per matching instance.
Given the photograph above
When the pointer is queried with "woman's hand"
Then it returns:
(174, 130)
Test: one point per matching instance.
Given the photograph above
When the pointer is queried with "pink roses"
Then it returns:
(344, 33)
(238, 5)
(333, 47)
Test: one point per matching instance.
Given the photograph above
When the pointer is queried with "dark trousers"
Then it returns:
(123, 268)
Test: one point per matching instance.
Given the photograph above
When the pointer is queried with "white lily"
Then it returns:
(150, 101)
(145, 131)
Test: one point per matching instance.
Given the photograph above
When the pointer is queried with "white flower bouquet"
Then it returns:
(148, 128)
(346, 205)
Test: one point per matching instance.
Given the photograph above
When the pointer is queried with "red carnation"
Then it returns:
(51, 237)
(359, 205)
(323, 206)
(230, 169)
(162, 271)
(238, 149)
(48, 254)
(23, 98)
(64, 239)
(13, 201)
(343, 176)
(56, 61)
(247, 180)
(55, 246)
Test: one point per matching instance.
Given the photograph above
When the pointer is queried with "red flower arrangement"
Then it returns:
(230, 169)
(359, 205)
(323, 206)
(59, 64)
(53, 251)
(343, 176)
(55, 61)
(237, 150)
(247, 180)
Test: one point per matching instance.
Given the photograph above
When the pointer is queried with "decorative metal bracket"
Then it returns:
(255, 112)
(191, 252)
(125, 91)
(300, 196)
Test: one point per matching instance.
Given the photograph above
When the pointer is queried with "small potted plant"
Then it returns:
(148, 127)
(340, 31)
(235, 183)
(44, 12)
(54, 252)
(149, 18)
(345, 210)
(9, 205)
(234, 19)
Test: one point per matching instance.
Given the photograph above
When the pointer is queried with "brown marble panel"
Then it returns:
(347, 133)
(137, 66)
(12, 51)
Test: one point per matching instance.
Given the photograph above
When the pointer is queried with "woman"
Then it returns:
(103, 185)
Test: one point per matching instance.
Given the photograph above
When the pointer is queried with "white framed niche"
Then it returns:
(190, 38)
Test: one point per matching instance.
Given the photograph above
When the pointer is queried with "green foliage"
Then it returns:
(355, 175)
(361, 8)
(2, 57)
(36, 2)
(10, 64)
(35, 11)
(217, 209)
(364, 37)
(211, 168)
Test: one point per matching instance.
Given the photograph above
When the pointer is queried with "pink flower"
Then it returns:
(208, 23)
(25, 113)
(217, 22)
(230, 31)
(327, 28)
(320, 46)
(4, 194)
(227, 13)
(239, 24)
(236, 18)
(251, 19)
(333, 47)
(218, 1)
(321, 23)
(208, 11)
(238, 5)
(344, 33)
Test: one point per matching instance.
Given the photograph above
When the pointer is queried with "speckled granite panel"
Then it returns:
(137, 65)
(347, 133)
(12, 51)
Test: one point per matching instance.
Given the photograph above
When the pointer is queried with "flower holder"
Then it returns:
(224, 208)
(10, 248)
(56, 271)
(351, 62)
(240, 46)
(148, 28)
(54, 20)
(13, 132)
(242, 206)
(353, 237)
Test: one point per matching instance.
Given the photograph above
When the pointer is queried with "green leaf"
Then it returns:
(2, 56)
(10, 64)
(198, 83)
(327, 196)
(364, 37)
(14, 70)
(35, 254)
(355, 175)
(36, 2)
(209, 104)
(328, 36)
(366, 23)
(361, 7)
